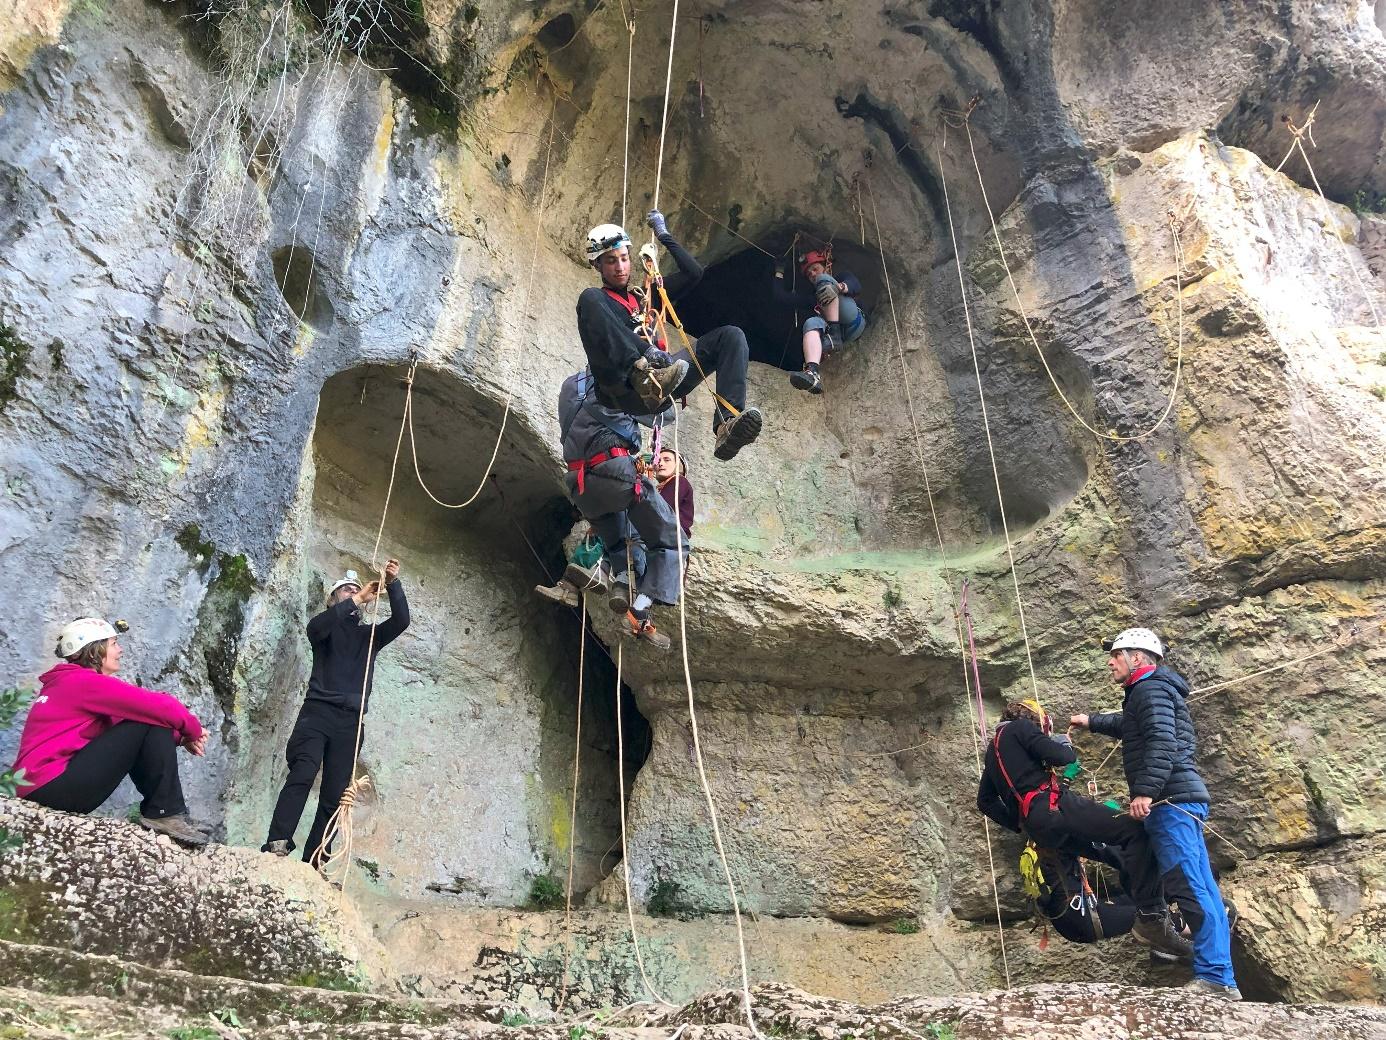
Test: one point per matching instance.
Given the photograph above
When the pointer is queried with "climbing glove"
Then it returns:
(656, 221)
(658, 358)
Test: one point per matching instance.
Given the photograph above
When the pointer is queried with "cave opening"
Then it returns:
(472, 730)
(741, 291)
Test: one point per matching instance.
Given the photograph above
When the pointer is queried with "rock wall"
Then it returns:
(215, 266)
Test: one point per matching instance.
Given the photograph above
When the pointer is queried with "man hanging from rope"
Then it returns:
(1019, 791)
(324, 736)
(631, 368)
(637, 527)
(1168, 795)
(837, 319)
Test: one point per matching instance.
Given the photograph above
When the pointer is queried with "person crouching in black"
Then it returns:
(324, 737)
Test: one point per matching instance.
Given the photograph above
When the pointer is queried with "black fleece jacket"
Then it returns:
(339, 642)
(1027, 754)
(1157, 735)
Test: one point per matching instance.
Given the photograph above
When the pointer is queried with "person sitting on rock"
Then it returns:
(1168, 796)
(636, 525)
(339, 689)
(634, 374)
(837, 319)
(1019, 791)
(88, 730)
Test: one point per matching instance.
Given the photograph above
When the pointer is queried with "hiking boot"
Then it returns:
(587, 579)
(808, 379)
(178, 827)
(1212, 989)
(735, 434)
(1156, 932)
(277, 848)
(655, 384)
(644, 630)
(560, 593)
(620, 597)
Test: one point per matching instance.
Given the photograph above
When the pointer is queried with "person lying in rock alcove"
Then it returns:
(837, 319)
(88, 730)
(636, 375)
(325, 733)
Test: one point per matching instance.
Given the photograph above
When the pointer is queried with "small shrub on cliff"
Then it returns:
(905, 926)
(545, 893)
(13, 700)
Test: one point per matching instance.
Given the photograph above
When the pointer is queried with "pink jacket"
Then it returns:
(75, 706)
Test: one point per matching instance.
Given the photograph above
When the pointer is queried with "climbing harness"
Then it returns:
(583, 465)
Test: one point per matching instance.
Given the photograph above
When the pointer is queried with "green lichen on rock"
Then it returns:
(202, 550)
(14, 360)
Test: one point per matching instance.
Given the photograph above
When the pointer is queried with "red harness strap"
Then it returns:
(631, 303)
(1028, 798)
(583, 465)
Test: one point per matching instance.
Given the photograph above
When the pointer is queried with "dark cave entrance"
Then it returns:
(740, 291)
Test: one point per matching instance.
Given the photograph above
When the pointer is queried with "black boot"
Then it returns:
(809, 379)
(735, 434)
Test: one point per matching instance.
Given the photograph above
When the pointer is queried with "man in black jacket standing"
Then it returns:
(1167, 793)
(325, 734)
(1018, 790)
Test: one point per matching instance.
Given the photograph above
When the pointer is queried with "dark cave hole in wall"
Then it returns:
(557, 32)
(296, 274)
(740, 291)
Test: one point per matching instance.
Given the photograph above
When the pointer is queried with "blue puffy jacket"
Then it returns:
(1157, 735)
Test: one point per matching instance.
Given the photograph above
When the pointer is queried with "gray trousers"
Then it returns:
(621, 517)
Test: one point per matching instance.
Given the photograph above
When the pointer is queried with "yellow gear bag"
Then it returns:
(1031, 877)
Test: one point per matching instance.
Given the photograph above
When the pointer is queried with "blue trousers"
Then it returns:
(1176, 833)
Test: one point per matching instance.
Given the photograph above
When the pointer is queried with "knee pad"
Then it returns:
(815, 324)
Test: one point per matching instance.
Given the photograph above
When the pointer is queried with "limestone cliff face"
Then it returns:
(222, 237)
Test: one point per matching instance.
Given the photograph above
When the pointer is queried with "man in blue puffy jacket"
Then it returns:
(1157, 753)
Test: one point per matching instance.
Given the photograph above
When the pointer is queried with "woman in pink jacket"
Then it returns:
(88, 730)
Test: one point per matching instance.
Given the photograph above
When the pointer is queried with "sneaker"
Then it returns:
(561, 593)
(1156, 932)
(655, 384)
(808, 380)
(644, 630)
(735, 434)
(277, 848)
(1204, 987)
(178, 827)
(584, 579)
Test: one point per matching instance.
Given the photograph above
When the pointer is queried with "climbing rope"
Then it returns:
(625, 855)
(698, 749)
(630, 66)
(1108, 435)
(980, 718)
(572, 816)
(1297, 135)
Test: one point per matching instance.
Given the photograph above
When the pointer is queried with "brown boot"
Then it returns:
(178, 827)
(644, 630)
(655, 384)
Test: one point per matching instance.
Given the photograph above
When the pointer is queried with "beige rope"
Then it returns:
(943, 552)
(698, 753)
(625, 855)
(572, 816)
(625, 159)
(1109, 435)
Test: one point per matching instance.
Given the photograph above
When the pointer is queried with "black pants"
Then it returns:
(725, 351)
(324, 736)
(147, 754)
(1080, 821)
(1115, 911)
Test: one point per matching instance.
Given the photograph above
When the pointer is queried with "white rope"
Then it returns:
(572, 816)
(625, 159)
(698, 748)
(664, 116)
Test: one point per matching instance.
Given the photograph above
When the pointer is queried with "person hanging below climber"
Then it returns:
(1019, 791)
(88, 730)
(1168, 795)
(582, 547)
(671, 476)
(636, 525)
(339, 688)
(636, 373)
(837, 318)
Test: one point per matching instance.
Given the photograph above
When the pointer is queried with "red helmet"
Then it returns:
(813, 256)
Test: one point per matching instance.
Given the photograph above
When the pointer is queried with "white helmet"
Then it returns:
(1135, 639)
(82, 632)
(603, 239)
(349, 578)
